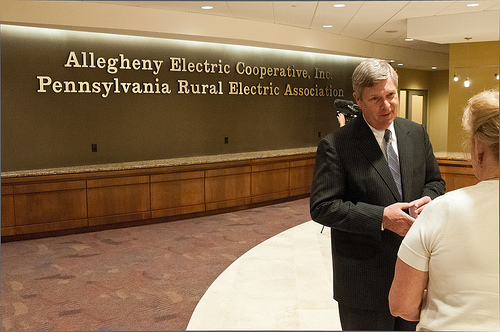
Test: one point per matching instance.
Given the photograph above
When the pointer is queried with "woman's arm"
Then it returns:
(407, 291)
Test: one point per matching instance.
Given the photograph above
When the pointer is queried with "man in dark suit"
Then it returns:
(368, 208)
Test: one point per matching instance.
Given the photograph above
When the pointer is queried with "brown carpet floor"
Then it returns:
(144, 278)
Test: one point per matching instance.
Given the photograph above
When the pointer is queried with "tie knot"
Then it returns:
(387, 135)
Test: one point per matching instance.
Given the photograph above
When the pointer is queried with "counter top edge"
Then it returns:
(158, 163)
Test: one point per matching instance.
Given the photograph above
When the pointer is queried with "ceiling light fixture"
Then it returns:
(408, 39)
(455, 77)
(467, 82)
(400, 64)
(207, 7)
(472, 5)
(434, 67)
(339, 5)
(327, 26)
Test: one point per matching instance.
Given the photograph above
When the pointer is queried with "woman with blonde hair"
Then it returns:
(447, 270)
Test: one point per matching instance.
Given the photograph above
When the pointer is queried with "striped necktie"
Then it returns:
(393, 161)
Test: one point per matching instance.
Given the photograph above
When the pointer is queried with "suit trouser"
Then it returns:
(353, 319)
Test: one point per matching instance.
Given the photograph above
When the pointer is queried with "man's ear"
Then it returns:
(355, 95)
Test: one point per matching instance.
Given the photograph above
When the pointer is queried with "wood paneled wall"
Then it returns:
(457, 173)
(69, 201)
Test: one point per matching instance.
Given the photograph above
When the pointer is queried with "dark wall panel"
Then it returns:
(46, 125)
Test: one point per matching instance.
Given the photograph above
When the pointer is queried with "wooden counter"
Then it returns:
(456, 172)
(38, 201)
(75, 198)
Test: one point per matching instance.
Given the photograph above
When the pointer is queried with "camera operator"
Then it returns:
(346, 110)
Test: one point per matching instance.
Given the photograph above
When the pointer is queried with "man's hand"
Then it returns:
(396, 220)
(418, 206)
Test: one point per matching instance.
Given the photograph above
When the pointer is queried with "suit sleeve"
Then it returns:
(434, 184)
(328, 203)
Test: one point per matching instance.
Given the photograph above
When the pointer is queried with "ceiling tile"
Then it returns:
(461, 7)
(252, 10)
(370, 17)
(422, 8)
(326, 14)
(297, 13)
(364, 20)
(389, 31)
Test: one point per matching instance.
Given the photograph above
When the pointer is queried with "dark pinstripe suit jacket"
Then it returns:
(352, 185)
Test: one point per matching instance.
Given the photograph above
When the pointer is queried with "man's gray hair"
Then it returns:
(369, 72)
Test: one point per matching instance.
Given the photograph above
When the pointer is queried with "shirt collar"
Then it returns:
(379, 134)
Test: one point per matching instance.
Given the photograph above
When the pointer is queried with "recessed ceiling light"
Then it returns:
(207, 7)
(434, 67)
(400, 64)
(327, 26)
(472, 4)
(408, 39)
(338, 5)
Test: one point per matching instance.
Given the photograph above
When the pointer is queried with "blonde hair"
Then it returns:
(480, 119)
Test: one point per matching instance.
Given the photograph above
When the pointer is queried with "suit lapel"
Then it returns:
(368, 145)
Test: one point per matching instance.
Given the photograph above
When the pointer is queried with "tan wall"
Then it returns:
(436, 83)
(478, 61)
(414, 79)
(437, 117)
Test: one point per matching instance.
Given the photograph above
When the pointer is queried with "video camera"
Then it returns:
(348, 108)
